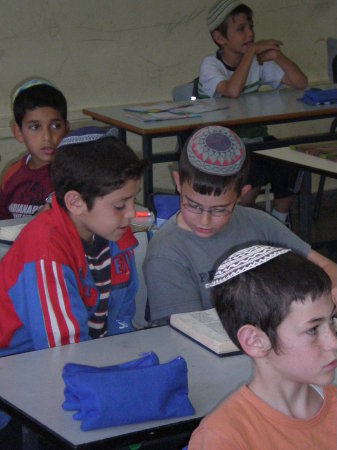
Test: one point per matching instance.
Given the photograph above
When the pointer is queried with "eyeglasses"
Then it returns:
(215, 211)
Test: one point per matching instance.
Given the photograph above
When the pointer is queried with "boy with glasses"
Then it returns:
(182, 255)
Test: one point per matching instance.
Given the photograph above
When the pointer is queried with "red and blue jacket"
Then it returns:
(47, 293)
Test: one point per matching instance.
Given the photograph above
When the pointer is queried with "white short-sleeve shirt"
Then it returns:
(213, 70)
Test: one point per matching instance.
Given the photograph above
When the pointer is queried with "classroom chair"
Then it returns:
(332, 71)
(185, 92)
(139, 320)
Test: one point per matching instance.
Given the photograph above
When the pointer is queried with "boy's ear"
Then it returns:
(176, 178)
(67, 126)
(254, 342)
(218, 38)
(16, 132)
(74, 203)
(246, 188)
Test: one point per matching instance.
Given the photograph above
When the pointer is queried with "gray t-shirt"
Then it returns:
(178, 263)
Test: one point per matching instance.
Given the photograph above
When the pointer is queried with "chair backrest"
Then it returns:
(187, 91)
(141, 297)
(332, 59)
(182, 92)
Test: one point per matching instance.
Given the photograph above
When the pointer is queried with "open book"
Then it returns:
(10, 229)
(205, 328)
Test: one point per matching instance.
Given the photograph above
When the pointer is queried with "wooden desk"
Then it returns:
(31, 386)
(269, 107)
(309, 164)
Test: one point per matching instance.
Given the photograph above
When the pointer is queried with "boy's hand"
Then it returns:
(268, 55)
(267, 45)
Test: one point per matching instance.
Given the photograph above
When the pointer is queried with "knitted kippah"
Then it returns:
(244, 260)
(216, 150)
(219, 12)
(87, 134)
(28, 84)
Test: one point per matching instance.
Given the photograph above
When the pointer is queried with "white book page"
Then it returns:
(206, 328)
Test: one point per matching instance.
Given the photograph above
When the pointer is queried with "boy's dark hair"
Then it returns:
(241, 9)
(94, 169)
(39, 96)
(207, 184)
(262, 296)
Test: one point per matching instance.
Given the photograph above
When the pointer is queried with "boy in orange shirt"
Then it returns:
(277, 307)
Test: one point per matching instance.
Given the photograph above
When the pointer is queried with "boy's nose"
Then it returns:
(130, 211)
(46, 134)
(331, 340)
(205, 217)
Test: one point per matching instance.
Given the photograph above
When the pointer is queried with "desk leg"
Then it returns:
(122, 135)
(148, 175)
(305, 207)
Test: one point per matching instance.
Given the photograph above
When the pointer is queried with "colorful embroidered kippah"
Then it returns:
(219, 12)
(244, 260)
(87, 134)
(30, 83)
(216, 150)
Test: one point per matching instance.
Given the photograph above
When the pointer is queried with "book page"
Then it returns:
(10, 229)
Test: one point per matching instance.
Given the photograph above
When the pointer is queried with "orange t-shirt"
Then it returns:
(244, 421)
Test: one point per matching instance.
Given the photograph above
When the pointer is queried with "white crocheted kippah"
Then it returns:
(219, 12)
(244, 260)
(87, 134)
(29, 84)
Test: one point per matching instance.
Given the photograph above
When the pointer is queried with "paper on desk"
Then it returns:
(165, 115)
(167, 111)
(155, 107)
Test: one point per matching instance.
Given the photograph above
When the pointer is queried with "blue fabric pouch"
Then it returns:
(317, 96)
(70, 371)
(132, 395)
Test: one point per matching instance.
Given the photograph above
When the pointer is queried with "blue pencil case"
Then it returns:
(320, 96)
(70, 371)
(130, 395)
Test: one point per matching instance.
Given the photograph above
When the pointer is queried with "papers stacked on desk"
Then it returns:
(171, 110)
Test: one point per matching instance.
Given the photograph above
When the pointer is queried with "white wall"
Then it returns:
(104, 52)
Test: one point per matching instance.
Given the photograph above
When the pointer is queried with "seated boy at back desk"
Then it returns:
(240, 66)
(40, 114)
(182, 255)
(276, 306)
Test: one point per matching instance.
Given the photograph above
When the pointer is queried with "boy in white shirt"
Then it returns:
(241, 65)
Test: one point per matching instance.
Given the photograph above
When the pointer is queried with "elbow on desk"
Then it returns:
(303, 84)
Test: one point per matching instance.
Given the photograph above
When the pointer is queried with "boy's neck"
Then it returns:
(293, 399)
(33, 165)
(229, 58)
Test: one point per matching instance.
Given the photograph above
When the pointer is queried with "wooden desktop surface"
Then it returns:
(309, 164)
(32, 386)
(268, 107)
(302, 160)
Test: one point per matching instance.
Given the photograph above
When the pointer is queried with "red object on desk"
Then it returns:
(143, 214)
